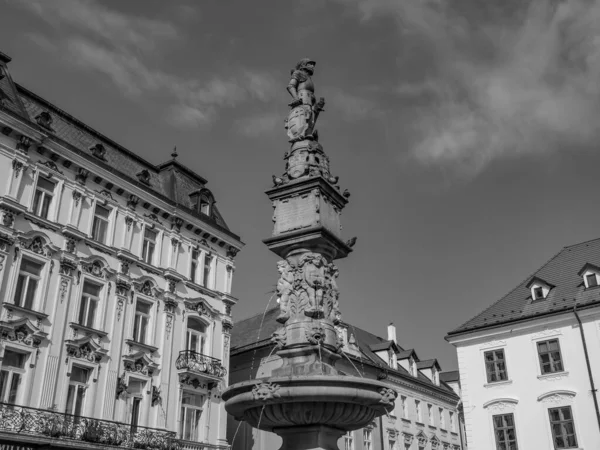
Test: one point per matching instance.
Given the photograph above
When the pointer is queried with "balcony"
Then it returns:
(202, 366)
(28, 426)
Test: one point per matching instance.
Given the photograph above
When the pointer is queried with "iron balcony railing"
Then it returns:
(23, 420)
(199, 363)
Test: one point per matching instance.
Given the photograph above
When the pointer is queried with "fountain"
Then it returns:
(306, 400)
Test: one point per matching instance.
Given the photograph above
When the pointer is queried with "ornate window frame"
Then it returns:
(19, 347)
(44, 170)
(558, 398)
(499, 406)
(113, 206)
(96, 270)
(91, 390)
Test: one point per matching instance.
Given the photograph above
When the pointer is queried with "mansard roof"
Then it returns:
(562, 272)
(171, 181)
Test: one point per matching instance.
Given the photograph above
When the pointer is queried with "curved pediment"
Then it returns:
(139, 362)
(557, 395)
(146, 285)
(500, 401)
(201, 307)
(96, 266)
(37, 242)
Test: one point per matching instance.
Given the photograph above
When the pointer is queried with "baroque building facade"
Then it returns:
(529, 363)
(426, 415)
(115, 279)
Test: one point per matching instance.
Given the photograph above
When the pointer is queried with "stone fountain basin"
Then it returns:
(342, 402)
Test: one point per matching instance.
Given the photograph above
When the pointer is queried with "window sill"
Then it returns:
(201, 289)
(553, 376)
(100, 246)
(454, 433)
(443, 430)
(149, 268)
(432, 427)
(40, 221)
(405, 420)
(421, 424)
(78, 326)
(37, 314)
(498, 383)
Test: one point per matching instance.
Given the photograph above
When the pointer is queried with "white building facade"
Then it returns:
(529, 364)
(115, 280)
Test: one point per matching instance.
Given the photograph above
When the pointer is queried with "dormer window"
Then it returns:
(538, 293)
(202, 201)
(204, 206)
(591, 275)
(539, 288)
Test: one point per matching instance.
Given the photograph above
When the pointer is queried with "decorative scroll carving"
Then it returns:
(143, 176)
(70, 245)
(84, 352)
(557, 397)
(36, 245)
(491, 344)
(120, 305)
(51, 165)
(546, 333)
(198, 307)
(99, 151)
(156, 396)
(501, 404)
(22, 335)
(169, 325)
(408, 438)
(147, 288)
(310, 288)
(265, 391)
(170, 305)
(176, 223)
(95, 268)
(153, 217)
(44, 119)
(140, 365)
(121, 386)
(232, 252)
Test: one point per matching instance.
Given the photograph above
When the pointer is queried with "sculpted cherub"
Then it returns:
(285, 285)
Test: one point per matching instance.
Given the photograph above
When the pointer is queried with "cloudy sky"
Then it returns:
(468, 136)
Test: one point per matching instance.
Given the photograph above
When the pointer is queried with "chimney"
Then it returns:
(392, 332)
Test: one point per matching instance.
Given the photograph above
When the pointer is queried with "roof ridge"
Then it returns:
(459, 328)
(581, 243)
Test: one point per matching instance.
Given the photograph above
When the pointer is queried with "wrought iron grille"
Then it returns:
(199, 363)
(55, 425)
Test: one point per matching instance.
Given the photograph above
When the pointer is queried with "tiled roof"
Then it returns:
(450, 376)
(427, 364)
(405, 354)
(381, 346)
(256, 331)
(568, 290)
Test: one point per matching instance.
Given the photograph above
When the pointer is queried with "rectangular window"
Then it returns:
(495, 366)
(419, 412)
(191, 411)
(392, 441)
(348, 441)
(367, 439)
(194, 266)
(550, 358)
(149, 246)
(563, 427)
(538, 293)
(452, 422)
(442, 419)
(403, 407)
(42, 200)
(27, 283)
(141, 322)
(592, 281)
(504, 429)
(100, 225)
(90, 299)
(430, 414)
(78, 384)
(207, 270)
(13, 370)
(136, 395)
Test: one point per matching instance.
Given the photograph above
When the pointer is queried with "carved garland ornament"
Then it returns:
(22, 336)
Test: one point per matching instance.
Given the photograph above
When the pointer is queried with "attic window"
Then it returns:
(591, 280)
(538, 293)
(204, 206)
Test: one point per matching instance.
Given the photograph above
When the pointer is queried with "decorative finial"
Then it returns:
(174, 155)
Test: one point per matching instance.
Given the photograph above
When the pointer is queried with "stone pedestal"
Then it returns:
(309, 438)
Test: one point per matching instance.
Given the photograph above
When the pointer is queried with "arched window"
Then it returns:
(196, 336)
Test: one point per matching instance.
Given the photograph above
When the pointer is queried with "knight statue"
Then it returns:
(305, 110)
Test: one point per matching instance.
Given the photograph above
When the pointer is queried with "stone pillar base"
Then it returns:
(316, 437)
